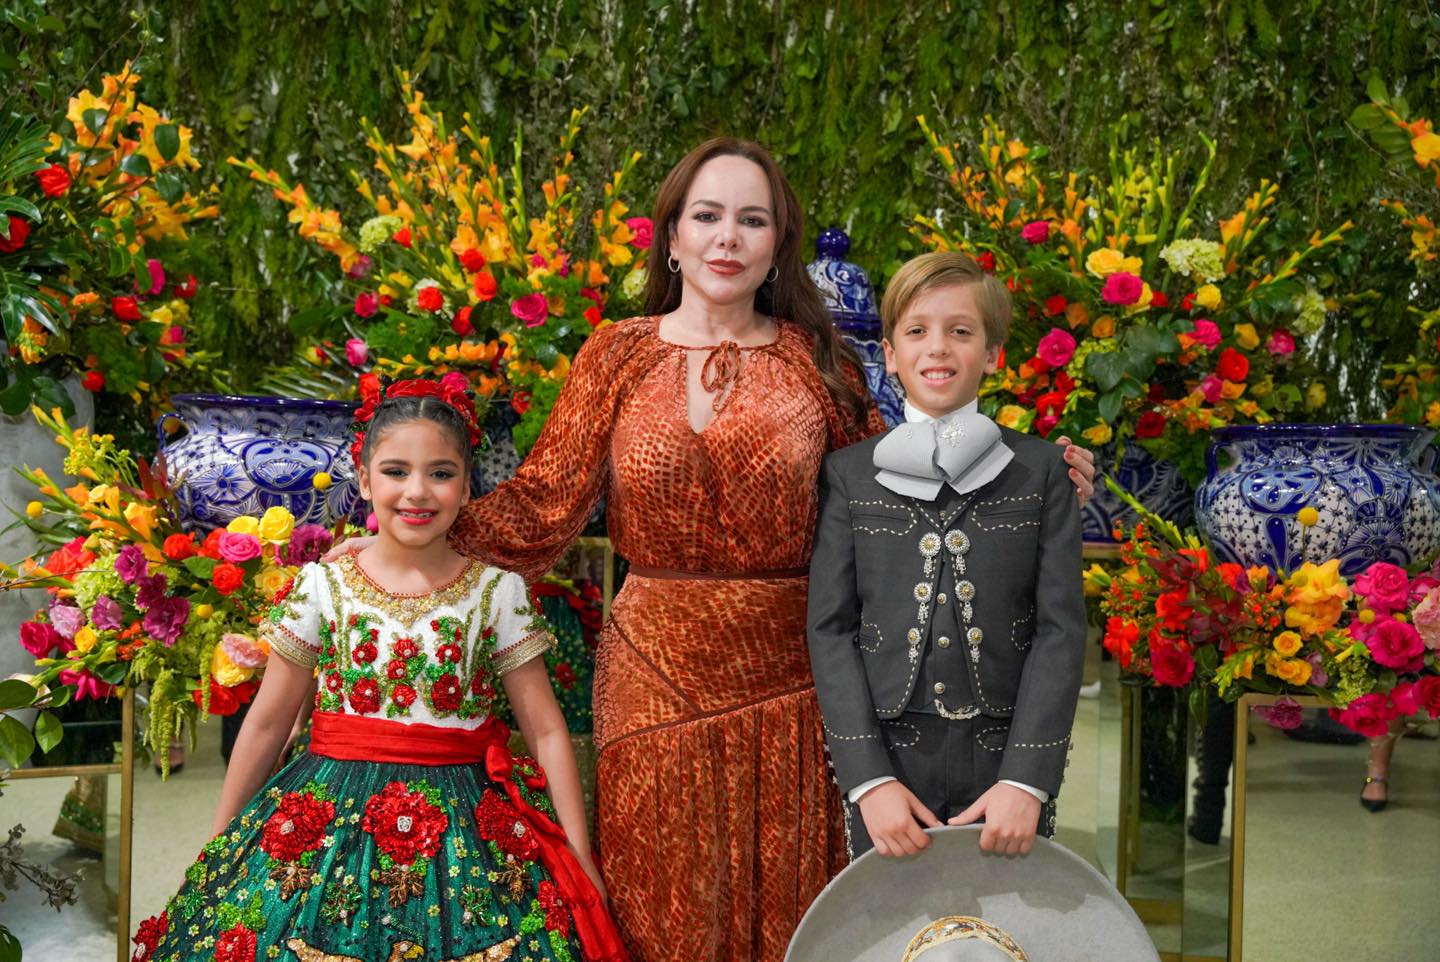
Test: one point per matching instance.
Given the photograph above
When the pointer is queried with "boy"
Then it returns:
(946, 619)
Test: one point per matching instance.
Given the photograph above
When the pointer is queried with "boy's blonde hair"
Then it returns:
(943, 269)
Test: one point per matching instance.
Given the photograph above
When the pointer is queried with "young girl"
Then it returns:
(407, 830)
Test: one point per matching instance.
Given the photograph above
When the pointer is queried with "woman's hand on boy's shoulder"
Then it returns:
(1081, 462)
(348, 546)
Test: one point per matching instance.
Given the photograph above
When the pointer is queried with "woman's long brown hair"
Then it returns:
(791, 296)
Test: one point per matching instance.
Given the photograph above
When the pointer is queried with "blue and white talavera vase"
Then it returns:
(1373, 485)
(847, 293)
(241, 455)
(1156, 484)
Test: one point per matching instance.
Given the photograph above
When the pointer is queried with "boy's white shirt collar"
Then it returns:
(962, 448)
(914, 415)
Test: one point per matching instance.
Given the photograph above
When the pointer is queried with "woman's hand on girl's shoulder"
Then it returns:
(348, 546)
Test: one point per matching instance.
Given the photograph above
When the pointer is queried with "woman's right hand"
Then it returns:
(348, 546)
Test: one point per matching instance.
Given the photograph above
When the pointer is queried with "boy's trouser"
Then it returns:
(947, 763)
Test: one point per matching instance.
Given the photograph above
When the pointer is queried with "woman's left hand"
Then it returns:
(1082, 467)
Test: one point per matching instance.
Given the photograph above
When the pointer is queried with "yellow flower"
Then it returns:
(244, 525)
(1426, 148)
(1315, 395)
(322, 480)
(1366, 616)
(1107, 260)
(1287, 643)
(1317, 596)
(226, 672)
(1104, 326)
(1296, 672)
(270, 580)
(276, 525)
(1014, 417)
(1098, 434)
(1308, 516)
(141, 517)
(1096, 580)
(1246, 336)
(204, 611)
(85, 638)
(1208, 297)
(34, 509)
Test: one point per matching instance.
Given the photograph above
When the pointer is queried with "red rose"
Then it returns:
(1427, 695)
(1158, 299)
(403, 695)
(405, 824)
(364, 653)
(19, 230)
(93, 381)
(1052, 402)
(473, 261)
(1187, 303)
(557, 917)
(1233, 366)
(1036, 232)
(520, 401)
(484, 286)
(54, 180)
(446, 693)
(1120, 638)
(366, 304)
(365, 696)
(187, 290)
(148, 936)
(1369, 715)
(1122, 288)
(402, 237)
(594, 316)
(227, 577)
(226, 701)
(644, 229)
(565, 675)
(460, 323)
(429, 299)
(1150, 425)
(1045, 424)
(296, 827)
(1172, 663)
(178, 547)
(125, 308)
(396, 668)
(1055, 305)
(593, 295)
(235, 945)
(986, 260)
(498, 821)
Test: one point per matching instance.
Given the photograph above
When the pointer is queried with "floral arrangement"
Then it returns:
(1414, 146)
(1134, 320)
(90, 215)
(1369, 645)
(455, 271)
(135, 600)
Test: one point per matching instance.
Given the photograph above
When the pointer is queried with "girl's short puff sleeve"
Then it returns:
(521, 633)
(293, 625)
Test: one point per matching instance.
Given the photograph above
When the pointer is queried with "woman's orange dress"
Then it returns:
(718, 819)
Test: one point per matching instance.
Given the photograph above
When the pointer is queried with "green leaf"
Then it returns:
(170, 185)
(17, 205)
(15, 693)
(10, 950)
(1375, 88)
(94, 120)
(1110, 406)
(167, 140)
(200, 567)
(16, 742)
(49, 393)
(1106, 368)
(112, 673)
(15, 399)
(48, 731)
(1368, 117)
(1153, 341)
(136, 165)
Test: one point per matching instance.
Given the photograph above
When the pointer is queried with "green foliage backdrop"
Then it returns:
(832, 87)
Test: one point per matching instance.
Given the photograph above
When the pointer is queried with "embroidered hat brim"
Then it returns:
(1053, 903)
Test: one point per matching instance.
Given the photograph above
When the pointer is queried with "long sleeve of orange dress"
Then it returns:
(718, 820)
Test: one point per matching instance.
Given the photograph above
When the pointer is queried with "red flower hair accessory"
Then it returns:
(453, 390)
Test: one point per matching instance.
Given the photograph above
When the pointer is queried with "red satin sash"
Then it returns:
(353, 738)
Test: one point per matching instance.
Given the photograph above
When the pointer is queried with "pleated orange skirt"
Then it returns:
(718, 819)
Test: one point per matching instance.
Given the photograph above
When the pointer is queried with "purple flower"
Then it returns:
(106, 614)
(238, 548)
(66, 617)
(1318, 677)
(40, 639)
(307, 543)
(149, 590)
(130, 564)
(1285, 714)
(360, 268)
(166, 619)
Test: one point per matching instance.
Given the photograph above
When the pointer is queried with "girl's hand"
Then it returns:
(588, 864)
(348, 546)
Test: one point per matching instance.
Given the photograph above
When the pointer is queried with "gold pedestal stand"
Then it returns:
(125, 768)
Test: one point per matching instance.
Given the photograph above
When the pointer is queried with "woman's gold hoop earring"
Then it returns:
(772, 275)
(674, 264)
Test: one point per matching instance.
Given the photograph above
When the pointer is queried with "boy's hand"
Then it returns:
(1011, 817)
(890, 811)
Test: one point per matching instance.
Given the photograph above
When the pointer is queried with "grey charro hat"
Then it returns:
(955, 903)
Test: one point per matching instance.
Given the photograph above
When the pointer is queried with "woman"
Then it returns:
(704, 424)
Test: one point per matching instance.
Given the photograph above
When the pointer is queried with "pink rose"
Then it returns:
(1281, 344)
(1210, 388)
(1036, 232)
(1122, 288)
(1206, 332)
(643, 230)
(1426, 618)
(532, 309)
(372, 523)
(1369, 715)
(243, 650)
(1421, 585)
(455, 381)
(1405, 699)
(1384, 586)
(238, 548)
(1285, 714)
(40, 638)
(357, 352)
(1056, 348)
(367, 303)
(1427, 695)
(1395, 644)
(1045, 424)
(157, 279)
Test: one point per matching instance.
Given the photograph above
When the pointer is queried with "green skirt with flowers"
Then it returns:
(336, 861)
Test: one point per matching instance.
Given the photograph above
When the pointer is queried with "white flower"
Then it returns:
(1198, 259)
(1310, 312)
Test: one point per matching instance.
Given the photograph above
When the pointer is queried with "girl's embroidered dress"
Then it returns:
(408, 830)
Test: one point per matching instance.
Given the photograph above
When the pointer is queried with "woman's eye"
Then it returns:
(705, 216)
(754, 222)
